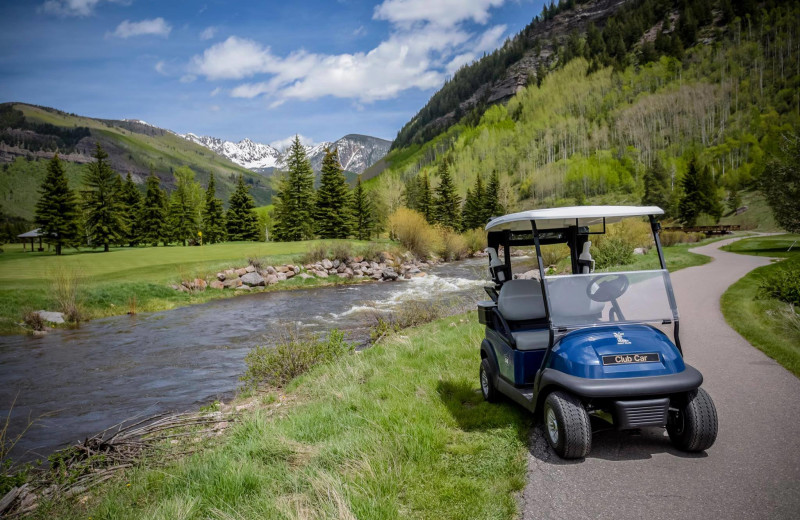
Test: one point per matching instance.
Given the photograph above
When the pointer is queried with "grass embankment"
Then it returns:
(107, 282)
(398, 431)
(771, 325)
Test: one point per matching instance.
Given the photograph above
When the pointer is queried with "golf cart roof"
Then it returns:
(558, 218)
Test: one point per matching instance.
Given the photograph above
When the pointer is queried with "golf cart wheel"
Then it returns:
(566, 425)
(487, 385)
(693, 427)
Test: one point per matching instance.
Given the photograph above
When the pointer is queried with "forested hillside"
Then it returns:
(705, 80)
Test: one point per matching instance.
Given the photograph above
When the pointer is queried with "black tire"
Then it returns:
(487, 382)
(694, 426)
(572, 436)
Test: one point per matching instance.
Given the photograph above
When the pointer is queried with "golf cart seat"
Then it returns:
(521, 304)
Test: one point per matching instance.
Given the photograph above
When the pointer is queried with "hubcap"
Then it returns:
(484, 383)
(552, 426)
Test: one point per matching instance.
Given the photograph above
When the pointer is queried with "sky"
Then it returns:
(265, 70)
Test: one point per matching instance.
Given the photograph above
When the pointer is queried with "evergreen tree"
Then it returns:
(294, 198)
(184, 206)
(332, 206)
(242, 221)
(473, 215)
(362, 210)
(781, 184)
(131, 205)
(154, 212)
(446, 206)
(656, 186)
(425, 199)
(101, 202)
(699, 195)
(213, 216)
(57, 211)
(492, 206)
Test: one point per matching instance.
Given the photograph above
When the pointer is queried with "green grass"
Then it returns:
(677, 257)
(108, 281)
(770, 325)
(397, 431)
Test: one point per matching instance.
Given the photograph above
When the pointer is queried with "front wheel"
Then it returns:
(566, 425)
(693, 425)
(487, 385)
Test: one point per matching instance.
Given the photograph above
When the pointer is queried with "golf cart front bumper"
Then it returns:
(623, 387)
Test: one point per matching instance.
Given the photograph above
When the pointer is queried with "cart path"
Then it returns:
(753, 469)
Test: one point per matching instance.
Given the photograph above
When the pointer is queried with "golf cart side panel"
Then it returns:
(592, 353)
(517, 367)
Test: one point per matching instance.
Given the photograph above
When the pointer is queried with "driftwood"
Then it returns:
(98, 458)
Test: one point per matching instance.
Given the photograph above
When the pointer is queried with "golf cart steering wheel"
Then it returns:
(607, 287)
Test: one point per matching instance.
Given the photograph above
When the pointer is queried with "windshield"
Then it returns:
(604, 298)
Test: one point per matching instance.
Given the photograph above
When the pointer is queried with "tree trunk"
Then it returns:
(105, 247)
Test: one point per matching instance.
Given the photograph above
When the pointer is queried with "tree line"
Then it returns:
(109, 211)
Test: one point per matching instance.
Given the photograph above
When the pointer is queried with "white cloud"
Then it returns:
(216, 91)
(208, 33)
(282, 144)
(161, 68)
(488, 41)
(74, 7)
(214, 108)
(156, 26)
(188, 78)
(361, 31)
(439, 12)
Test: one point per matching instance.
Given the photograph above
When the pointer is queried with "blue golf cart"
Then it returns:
(569, 346)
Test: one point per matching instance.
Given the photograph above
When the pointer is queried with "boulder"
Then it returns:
(296, 269)
(289, 274)
(321, 274)
(390, 274)
(358, 259)
(327, 264)
(342, 275)
(241, 271)
(272, 279)
(378, 275)
(271, 270)
(221, 277)
(229, 273)
(349, 272)
(199, 284)
(336, 263)
(51, 317)
(281, 276)
(282, 268)
(639, 251)
(253, 280)
(250, 269)
(420, 274)
(305, 276)
(341, 268)
(216, 284)
(232, 283)
(244, 288)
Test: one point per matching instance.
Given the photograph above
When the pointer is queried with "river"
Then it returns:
(76, 383)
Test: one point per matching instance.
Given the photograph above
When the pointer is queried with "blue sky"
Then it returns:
(264, 70)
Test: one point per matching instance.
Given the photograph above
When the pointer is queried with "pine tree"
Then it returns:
(781, 184)
(213, 216)
(446, 206)
(131, 205)
(184, 206)
(699, 195)
(492, 206)
(656, 186)
(154, 213)
(242, 221)
(294, 198)
(362, 210)
(332, 206)
(474, 206)
(425, 199)
(101, 202)
(57, 211)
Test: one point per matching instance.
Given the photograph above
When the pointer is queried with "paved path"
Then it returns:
(753, 470)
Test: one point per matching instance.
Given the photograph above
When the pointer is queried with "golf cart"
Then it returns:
(604, 344)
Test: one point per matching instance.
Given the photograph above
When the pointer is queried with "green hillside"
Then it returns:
(592, 130)
(132, 147)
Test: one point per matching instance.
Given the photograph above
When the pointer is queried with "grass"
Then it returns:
(773, 246)
(770, 325)
(677, 257)
(108, 281)
(397, 431)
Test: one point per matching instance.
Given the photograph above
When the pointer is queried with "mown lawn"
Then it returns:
(768, 324)
(398, 431)
(109, 281)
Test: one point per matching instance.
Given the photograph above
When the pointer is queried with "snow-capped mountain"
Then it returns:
(356, 152)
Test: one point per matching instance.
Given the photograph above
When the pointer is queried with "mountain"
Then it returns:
(30, 135)
(356, 152)
(579, 105)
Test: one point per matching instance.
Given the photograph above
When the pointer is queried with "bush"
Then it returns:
(613, 251)
(329, 250)
(453, 245)
(783, 284)
(553, 254)
(65, 288)
(671, 238)
(476, 240)
(371, 252)
(294, 354)
(414, 233)
(341, 251)
(409, 314)
(33, 320)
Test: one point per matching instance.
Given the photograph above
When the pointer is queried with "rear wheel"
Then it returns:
(693, 426)
(566, 425)
(487, 385)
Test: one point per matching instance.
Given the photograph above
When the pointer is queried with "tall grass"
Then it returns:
(65, 288)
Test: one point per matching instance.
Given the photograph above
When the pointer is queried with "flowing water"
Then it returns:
(78, 382)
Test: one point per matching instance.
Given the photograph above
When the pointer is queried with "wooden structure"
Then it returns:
(722, 229)
(32, 236)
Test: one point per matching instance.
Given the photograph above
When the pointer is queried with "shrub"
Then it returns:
(371, 252)
(476, 240)
(64, 289)
(414, 233)
(409, 314)
(453, 246)
(340, 251)
(671, 238)
(783, 284)
(293, 355)
(317, 253)
(33, 320)
(613, 251)
(553, 254)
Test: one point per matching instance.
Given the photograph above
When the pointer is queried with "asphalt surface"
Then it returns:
(753, 469)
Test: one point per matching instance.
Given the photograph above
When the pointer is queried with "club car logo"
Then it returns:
(619, 359)
(621, 340)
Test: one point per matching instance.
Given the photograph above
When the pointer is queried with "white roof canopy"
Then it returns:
(555, 218)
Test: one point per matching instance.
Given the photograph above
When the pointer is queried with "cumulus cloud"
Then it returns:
(161, 68)
(282, 144)
(156, 26)
(412, 56)
(439, 12)
(208, 33)
(74, 7)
